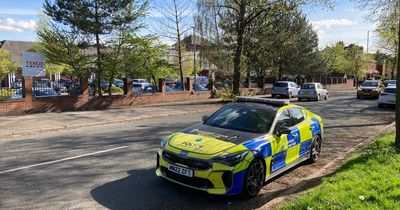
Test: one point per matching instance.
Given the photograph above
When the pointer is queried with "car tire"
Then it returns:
(326, 96)
(315, 149)
(358, 96)
(381, 106)
(254, 179)
(273, 95)
(300, 99)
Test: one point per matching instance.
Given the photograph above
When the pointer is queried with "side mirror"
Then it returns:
(283, 130)
(204, 118)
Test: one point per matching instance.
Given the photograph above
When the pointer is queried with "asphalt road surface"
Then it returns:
(113, 166)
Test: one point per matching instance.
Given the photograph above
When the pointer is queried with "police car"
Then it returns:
(240, 146)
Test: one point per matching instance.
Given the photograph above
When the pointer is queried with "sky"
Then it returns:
(346, 22)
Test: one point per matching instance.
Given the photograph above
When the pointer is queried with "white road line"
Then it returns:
(61, 160)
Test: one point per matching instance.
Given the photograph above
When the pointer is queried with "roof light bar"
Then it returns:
(262, 100)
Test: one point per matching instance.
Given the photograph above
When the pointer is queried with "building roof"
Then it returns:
(15, 48)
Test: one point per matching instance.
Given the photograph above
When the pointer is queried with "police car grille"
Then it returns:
(191, 181)
(190, 162)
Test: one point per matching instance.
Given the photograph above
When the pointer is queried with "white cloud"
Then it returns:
(328, 23)
(11, 25)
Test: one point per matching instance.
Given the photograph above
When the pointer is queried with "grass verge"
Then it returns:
(369, 180)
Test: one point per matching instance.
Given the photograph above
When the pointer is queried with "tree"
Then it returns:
(386, 12)
(174, 24)
(235, 18)
(6, 65)
(355, 59)
(285, 43)
(63, 48)
(95, 19)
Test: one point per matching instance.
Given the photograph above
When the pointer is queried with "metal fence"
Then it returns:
(48, 88)
(10, 93)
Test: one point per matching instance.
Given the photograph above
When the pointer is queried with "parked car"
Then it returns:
(44, 92)
(119, 83)
(137, 88)
(389, 82)
(388, 96)
(314, 91)
(140, 81)
(370, 88)
(199, 88)
(74, 88)
(168, 89)
(17, 94)
(285, 88)
(60, 87)
(17, 84)
(241, 146)
(150, 89)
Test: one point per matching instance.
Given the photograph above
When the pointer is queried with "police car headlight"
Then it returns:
(231, 159)
(164, 142)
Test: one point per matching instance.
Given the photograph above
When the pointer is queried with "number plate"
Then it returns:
(180, 170)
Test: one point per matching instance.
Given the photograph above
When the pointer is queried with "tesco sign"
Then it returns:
(33, 64)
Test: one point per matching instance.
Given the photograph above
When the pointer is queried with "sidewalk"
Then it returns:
(11, 126)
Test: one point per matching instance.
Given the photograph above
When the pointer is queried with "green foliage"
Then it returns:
(6, 94)
(6, 65)
(113, 89)
(226, 95)
(370, 180)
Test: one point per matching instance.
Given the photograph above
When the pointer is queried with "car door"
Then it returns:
(295, 89)
(299, 141)
(280, 143)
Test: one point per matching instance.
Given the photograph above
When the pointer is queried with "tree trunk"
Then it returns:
(98, 51)
(236, 63)
(238, 52)
(397, 142)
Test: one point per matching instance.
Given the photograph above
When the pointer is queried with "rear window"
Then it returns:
(308, 86)
(390, 90)
(280, 84)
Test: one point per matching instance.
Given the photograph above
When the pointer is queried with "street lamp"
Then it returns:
(194, 56)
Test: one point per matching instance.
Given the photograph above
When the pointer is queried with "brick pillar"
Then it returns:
(189, 85)
(27, 92)
(85, 89)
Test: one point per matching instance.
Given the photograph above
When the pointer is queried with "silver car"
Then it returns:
(315, 91)
(388, 96)
(285, 88)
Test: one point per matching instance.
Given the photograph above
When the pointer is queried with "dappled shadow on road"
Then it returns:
(142, 189)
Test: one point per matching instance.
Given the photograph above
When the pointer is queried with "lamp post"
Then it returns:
(194, 56)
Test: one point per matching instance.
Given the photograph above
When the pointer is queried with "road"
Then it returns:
(113, 166)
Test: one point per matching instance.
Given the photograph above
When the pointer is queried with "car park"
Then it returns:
(240, 146)
(388, 96)
(285, 88)
(314, 91)
(370, 89)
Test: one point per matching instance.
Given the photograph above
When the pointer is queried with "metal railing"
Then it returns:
(10, 93)
(47, 88)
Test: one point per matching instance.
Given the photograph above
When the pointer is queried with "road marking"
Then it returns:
(62, 160)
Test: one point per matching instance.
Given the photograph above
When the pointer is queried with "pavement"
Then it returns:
(11, 126)
(112, 166)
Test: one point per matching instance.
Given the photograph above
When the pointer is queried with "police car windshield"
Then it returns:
(247, 117)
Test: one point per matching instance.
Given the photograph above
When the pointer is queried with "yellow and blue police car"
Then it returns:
(240, 146)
